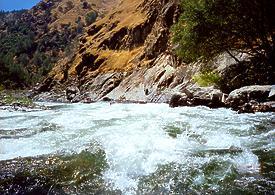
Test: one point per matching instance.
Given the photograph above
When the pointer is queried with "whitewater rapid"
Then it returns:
(139, 139)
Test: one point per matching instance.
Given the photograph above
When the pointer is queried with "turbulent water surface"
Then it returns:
(135, 149)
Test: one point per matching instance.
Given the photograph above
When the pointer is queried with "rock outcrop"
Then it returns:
(195, 96)
(259, 93)
(248, 71)
(127, 56)
(253, 98)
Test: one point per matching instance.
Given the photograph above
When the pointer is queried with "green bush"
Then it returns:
(207, 78)
(90, 18)
(10, 98)
(2, 87)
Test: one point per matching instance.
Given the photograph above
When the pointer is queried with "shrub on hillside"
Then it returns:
(90, 18)
(207, 78)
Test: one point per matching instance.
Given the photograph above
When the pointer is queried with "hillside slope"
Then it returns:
(125, 55)
(31, 41)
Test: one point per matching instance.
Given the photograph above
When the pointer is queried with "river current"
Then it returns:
(137, 149)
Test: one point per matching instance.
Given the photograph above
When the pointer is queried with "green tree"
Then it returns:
(207, 28)
(90, 18)
(43, 62)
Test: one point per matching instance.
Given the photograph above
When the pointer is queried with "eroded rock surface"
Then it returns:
(127, 56)
(243, 95)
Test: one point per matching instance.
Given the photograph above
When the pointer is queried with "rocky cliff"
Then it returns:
(127, 56)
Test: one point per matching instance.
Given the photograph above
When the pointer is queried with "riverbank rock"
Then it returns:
(51, 97)
(72, 94)
(253, 106)
(198, 96)
(178, 99)
(272, 92)
(258, 93)
(17, 101)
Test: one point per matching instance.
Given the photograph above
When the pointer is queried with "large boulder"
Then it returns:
(178, 99)
(258, 93)
(198, 96)
(72, 93)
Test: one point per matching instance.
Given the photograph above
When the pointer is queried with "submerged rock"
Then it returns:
(55, 174)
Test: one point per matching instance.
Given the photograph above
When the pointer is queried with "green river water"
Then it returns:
(136, 149)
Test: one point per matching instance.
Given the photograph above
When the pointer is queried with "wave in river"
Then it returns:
(152, 148)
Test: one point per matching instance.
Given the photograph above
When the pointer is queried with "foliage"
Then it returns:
(43, 62)
(27, 50)
(207, 28)
(90, 18)
(207, 78)
(2, 87)
(16, 45)
(15, 97)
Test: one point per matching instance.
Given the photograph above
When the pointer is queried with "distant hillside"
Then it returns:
(32, 41)
(123, 55)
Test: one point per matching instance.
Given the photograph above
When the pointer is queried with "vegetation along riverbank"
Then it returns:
(138, 97)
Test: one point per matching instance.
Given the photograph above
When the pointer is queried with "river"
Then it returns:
(136, 149)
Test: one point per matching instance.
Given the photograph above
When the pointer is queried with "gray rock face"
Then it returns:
(155, 84)
(249, 71)
(198, 96)
(272, 92)
(71, 93)
(239, 97)
(51, 97)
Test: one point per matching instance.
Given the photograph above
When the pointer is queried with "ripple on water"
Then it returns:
(153, 148)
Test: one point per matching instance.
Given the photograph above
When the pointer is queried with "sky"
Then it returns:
(9, 5)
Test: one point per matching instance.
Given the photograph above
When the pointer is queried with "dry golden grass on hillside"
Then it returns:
(119, 61)
(124, 14)
(68, 11)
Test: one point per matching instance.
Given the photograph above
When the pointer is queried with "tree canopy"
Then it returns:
(207, 28)
(28, 50)
(90, 18)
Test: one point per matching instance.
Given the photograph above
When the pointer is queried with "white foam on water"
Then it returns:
(134, 137)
